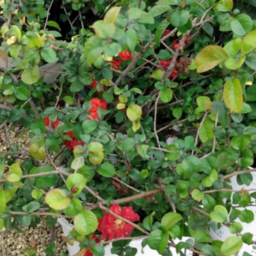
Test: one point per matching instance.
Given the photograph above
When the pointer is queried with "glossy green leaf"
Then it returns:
(170, 219)
(158, 9)
(241, 24)
(179, 18)
(48, 55)
(37, 151)
(134, 112)
(31, 207)
(142, 150)
(158, 240)
(75, 183)
(104, 30)
(206, 132)
(182, 189)
(233, 95)
(69, 100)
(30, 75)
(231, 246)
(2, 200)
(160, 30)
(249, 42)
(131, 38)
(106, 170)
(197, 195)
(86, 222)
(157, 74)
(210, 179)
(219, 214)
(166, 95)
(37, 194)
(234, 64)
(112, 14)
(22, 93)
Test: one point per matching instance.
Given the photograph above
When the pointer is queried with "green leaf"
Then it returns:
(233, 47)
(74, 208)
(98, 250)
(37, 194)
(54, 24)
(69, 100)
(197, 195)
(241, 24)
(85, 223)
(127, 144)
(235, 227)
(249, 42)
(1, 224)
(15, 51)
(170, 219)
(206, 133)
(142, 150)
(15, 173)
(157, 74)
(179, 18)
(30, 75)
(246, 216)
(22, 93)
(233, 96)
(166, 95)
(231, 246)
(2, 168)
(240, 142)
(31, 207)
(89, 126)
(202, 102)
(210, 57)
(208, 202)
(2, 201)
(167, 2)
(134, 112)
(38, 127)
(182, 189)
(112, 14)
(148, 221)
(131, 38)
(177, 113)
(103, 30)
(159, 9)
(158, 240)
(95, 147)
(234, 64)
(210, 179)
(48, 55)
(93, 48)
(75, 183)
(57, 199)
(106, 170)
(135, 13)
(160, 30)
(219, 214)
(8, 89)
(247, 238)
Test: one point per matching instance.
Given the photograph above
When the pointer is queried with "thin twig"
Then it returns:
(48, 14)
(155, 120)
(237, 173)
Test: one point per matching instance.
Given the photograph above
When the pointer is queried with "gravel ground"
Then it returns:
(13, 243)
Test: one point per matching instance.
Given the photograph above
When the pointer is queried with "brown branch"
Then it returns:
(237, 173)
(155, 120)
(48, 14)
(42, 214)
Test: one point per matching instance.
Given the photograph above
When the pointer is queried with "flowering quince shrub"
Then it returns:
(99, 99)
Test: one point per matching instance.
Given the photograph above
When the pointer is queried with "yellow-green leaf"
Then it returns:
(205, 133)
(210, 57)
(15, 173)
(233, 96)
(249, 42)
(134, 112)
(57, 199)
(38, 152)
(112, 15)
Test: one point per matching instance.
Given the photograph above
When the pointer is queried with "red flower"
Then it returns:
(53, 124)
(188, 39)
(116, 63)
(111, 227)
(96, 103)
(88, 252)
(125, 55)
(70, 144)
(166, 32)
(94, 85)
(47, 121)
(165, 64)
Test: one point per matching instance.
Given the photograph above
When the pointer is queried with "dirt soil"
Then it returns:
(13, 243)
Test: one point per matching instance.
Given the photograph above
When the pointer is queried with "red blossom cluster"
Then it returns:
(53, 124)
(94, 85)
(112, 227)
(96, 103)
(88, 252)
(165, 64)
(124, 55)
(70, 144)
(166, 32)
(176, 44)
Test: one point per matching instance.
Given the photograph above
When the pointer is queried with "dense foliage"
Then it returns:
(101, 87)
